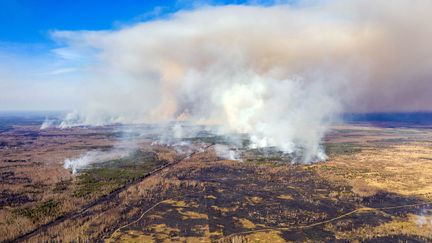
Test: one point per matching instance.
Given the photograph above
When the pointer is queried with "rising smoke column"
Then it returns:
(280, 73)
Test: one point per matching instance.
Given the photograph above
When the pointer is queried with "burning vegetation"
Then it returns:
(188, 188)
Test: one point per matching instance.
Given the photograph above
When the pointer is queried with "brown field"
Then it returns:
(375, 186)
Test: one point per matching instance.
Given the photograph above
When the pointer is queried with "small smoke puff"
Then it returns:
(79, 163)
(93, 157)
(424, 219)
(226, 152)
(421, 220)
(47, 124)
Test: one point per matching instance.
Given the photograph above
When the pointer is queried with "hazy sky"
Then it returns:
(52, 52)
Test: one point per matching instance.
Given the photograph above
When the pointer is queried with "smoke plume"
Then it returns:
(279, 73)
(93, 157)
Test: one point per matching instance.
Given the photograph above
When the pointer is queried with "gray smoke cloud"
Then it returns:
(279, 73)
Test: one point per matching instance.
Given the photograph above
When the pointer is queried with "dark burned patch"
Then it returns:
(3, 144)
(387, 199)
(8, 198)
(221, 173)
(390, 141)
(35, 188)
(271, 202)
(187, 193)
(30, 134)
(15, 161)
(5, 128)
(392, 203)
(309, 235)
(184, 217)
(92, 147)
(397, 238)
(290, 199)
(9, 177)
(235, 194)
(23, 135)
(361, 220)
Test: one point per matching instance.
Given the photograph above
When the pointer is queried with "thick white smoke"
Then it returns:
(279, 73)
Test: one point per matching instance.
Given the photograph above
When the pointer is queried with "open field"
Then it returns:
(375, 186)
